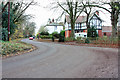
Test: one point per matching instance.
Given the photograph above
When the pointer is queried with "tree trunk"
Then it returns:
(72, 35)
(113, 32)
(114, 26)
(87, 23)
(114, 19)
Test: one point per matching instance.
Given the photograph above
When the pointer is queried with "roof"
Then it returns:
(81, 19)
(107, 29)
(54, 24)
(91, 15)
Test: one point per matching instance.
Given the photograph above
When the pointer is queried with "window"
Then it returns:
(69, 26)
(55, 28)
(82, 25)
(104, 34)
(79, 26)
(75, 26)
(94, 17)
(99, 23)
(84, 35)
(81, 30)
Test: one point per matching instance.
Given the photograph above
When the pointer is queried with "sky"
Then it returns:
(41, 14)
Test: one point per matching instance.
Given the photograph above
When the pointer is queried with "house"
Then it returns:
(80, 25)
(107, 31)
(54, 27)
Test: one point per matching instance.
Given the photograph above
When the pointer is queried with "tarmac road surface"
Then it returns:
(53, 60)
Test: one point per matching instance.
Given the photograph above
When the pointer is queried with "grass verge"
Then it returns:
(14, 47)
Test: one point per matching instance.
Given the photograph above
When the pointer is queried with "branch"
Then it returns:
(4, 7)
(23, 11)
(99, 7)
(80, 13)
(63, 8)
(76, 4)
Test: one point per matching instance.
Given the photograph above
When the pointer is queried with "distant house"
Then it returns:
(54, 27)
(80, 25)
(107, 31)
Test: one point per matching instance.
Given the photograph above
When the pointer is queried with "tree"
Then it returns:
(17, 34)
(20, 8)
(4, 34)
(29, 29)
(5, 20)
(114, 12)
(87, 10)
(17, 16)
(42, 29)
(70, 8)
(73, 10)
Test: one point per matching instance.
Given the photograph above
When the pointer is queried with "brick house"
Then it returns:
(80, 25)
(107, 31)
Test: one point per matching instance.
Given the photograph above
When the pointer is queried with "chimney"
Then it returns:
(97, 12)
(49, 21)
(53, 20)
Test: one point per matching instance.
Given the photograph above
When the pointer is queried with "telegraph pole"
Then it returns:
(8, 20)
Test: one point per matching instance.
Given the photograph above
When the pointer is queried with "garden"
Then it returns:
(54, 37)
(94, 40)
(97, 42)
(14, 47)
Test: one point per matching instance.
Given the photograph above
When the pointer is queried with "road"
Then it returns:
(53, 60)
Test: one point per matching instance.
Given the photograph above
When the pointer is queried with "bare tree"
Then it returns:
(68, 7)
(21, 7)
(114, 12)
(73, 10)
(87, 11)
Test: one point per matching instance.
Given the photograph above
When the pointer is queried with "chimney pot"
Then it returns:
(97, 12)
(52, 20)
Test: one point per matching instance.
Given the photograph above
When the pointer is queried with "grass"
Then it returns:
(100, 41)
(70, 39)
(14, 46)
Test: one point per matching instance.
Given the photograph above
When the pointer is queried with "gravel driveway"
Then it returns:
(53, 60)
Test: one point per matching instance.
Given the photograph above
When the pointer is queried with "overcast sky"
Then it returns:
(41, 14)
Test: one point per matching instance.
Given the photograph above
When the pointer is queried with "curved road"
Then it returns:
(53, 60)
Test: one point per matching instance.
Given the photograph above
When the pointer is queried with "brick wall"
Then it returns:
(67, 33)
(107, 34)
(100, 33)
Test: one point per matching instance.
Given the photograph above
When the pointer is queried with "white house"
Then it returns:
(54, 27)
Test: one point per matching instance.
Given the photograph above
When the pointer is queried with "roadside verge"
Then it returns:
(15, 47)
